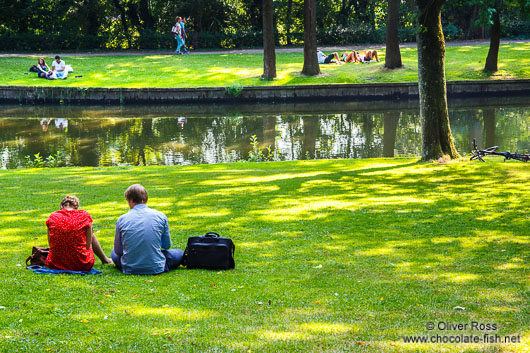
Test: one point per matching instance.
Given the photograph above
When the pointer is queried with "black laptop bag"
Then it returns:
(210, 252)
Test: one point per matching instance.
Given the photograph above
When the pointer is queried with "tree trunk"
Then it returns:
(269, 53)
(390, 125)
(393, 55)
(311, 67)
(148, 22)
(123, 18)
(437, 139)
(288, 22)
(489, 127)
(93, 22)
(495, 38)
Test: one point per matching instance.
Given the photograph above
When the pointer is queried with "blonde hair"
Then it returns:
(70, 201)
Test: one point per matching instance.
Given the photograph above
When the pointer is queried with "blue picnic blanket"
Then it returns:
(50, 271)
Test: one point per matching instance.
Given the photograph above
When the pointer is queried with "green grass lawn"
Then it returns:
(331, 256)
(462, 63)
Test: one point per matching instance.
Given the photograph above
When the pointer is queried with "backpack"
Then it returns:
(209, 252)
(33, 68)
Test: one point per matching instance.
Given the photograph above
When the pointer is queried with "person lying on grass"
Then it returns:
(327, 59)
(353, 57)
(71, 238)
(369, 55)
(142, 237)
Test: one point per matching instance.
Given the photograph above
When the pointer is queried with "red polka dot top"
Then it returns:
(67, 229)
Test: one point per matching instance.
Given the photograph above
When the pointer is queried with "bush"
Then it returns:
(210, 39)
(452, 32)
(516, 29)
(350, 34)
(67, 41)
(150, 39)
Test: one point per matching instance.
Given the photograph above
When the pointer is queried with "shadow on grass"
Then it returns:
(329, 254)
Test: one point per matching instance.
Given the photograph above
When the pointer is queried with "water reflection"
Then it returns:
(197, 139)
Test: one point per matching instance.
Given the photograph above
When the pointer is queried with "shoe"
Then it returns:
(186, 51)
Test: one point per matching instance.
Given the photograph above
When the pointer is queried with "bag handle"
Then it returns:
(212, 235)
(30, 257)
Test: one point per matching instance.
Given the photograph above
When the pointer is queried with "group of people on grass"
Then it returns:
(59, 69)
(352, 57)
(179, 30)
(141, 241)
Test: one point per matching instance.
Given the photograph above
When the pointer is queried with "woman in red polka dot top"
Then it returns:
(71, 238)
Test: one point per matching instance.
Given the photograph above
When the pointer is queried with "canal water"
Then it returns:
(182, 135)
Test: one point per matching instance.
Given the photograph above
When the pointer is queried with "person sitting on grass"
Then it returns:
(142, 238)
(327, 59)
(59, 69)
(71, 238)
(42, 68)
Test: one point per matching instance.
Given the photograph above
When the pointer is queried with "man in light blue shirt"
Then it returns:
(142, 238)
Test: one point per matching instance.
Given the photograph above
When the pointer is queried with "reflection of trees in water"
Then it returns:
(512, 129)
(138, 141)
(391, 120)
(506, 127)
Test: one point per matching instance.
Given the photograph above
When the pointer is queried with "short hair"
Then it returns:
(71, 201)
(136, 193)
(57, 57)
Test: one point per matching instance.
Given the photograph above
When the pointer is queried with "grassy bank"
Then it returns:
(462, 63)
(331, 256)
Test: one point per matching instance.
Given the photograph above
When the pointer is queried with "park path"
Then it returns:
(242, 51)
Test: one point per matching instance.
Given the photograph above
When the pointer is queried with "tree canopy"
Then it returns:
(86, 24)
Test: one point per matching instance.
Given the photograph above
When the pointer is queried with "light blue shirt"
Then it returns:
(141, 234)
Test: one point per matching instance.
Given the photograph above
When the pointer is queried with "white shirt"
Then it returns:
(321, 57)
(58, 66)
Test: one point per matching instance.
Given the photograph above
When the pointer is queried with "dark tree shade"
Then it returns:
(437, 139)
(269, 53)
(393, 55)
(311, 67)
(495, 38)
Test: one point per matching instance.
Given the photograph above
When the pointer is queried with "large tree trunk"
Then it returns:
(437, 139)
(393, 55)
(311, 67)
(390, 125)
(495, 38)
(269, 53)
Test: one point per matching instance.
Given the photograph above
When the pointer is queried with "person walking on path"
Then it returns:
(184, 35)
(177, 29)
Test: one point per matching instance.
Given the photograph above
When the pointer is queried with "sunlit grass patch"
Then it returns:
(218, 70)
(331, 256)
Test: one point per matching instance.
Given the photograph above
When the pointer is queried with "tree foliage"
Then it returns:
(78, 24)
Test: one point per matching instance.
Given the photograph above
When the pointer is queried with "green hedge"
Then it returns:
(29, 41)
(241, 39)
